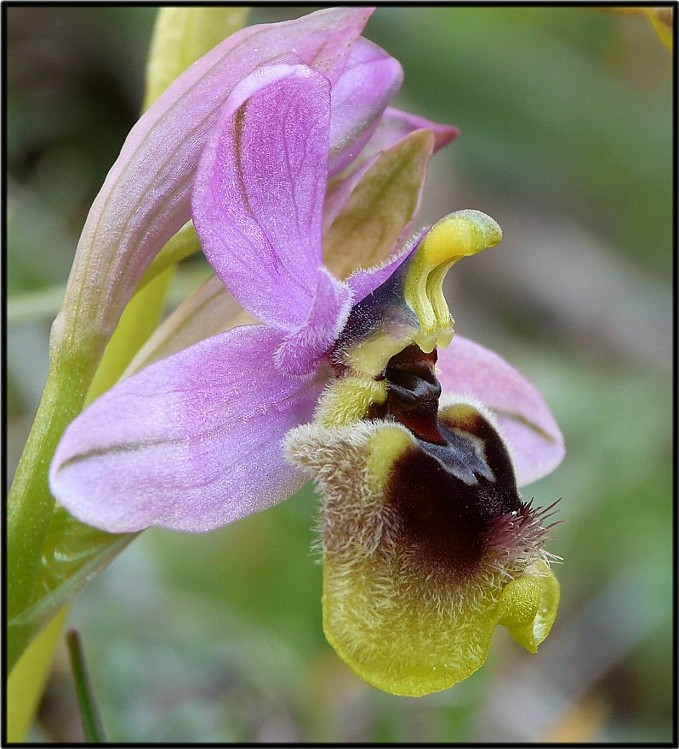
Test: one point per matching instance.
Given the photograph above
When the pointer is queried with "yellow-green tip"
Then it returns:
(458, 235)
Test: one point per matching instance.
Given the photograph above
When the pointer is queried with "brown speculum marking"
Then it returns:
(449, 488)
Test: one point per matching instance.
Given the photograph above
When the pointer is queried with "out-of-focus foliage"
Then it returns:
(566, 141)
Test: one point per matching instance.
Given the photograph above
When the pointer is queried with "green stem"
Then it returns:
(93, 728)
(70, 384)
(30, 503)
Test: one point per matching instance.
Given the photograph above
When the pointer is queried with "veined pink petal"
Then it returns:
(527, 425)
(392, 127)
(145, 198)
(259, 189)
(369, 82)
(192, 442)
(299, 353)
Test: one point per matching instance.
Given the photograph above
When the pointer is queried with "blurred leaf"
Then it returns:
(41, 304)
(34, 667)
(182, 35)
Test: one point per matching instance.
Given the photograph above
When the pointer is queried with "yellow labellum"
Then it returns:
(404, 630)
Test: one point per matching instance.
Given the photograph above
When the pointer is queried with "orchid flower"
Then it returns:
(427, 545)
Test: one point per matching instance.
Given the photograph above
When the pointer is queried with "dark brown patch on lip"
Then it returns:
(448, 488)
(413, 394)
(441, 526)
(446, 504)
(505, 497)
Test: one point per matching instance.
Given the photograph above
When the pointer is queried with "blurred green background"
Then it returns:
(566, 119)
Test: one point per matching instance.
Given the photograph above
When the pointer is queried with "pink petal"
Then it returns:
(300, 353)
(259, 190)
(145, 198)
(397, 123)
(191, 442)
(530, 431)
(369, 82)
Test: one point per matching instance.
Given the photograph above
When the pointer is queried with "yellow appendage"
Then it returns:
(458, 235)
